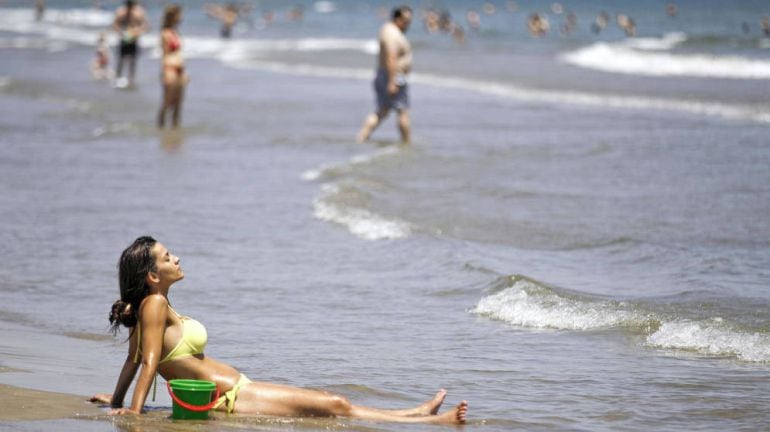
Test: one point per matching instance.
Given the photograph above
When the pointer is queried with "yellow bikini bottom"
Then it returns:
(228, 399)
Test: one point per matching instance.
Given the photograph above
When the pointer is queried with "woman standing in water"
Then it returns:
(163, 341)
(172, 74)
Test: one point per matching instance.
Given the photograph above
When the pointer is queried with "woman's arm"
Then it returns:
(152, 315)
(124, 380)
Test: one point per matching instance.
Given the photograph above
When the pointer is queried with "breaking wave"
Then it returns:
(526, 303)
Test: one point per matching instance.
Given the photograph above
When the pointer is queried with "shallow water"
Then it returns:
(565, 248)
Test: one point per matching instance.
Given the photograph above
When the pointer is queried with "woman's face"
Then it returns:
(168, 268)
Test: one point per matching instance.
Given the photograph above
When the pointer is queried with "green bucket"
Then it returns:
(191, 398)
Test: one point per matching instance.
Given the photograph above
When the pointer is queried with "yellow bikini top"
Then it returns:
(192, 342)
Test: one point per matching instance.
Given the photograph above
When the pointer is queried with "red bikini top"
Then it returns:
(173, 42)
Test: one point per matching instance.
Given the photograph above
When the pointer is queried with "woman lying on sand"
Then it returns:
(163, 341)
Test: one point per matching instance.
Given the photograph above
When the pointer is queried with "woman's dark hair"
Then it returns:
(170, 13)
(135, 262)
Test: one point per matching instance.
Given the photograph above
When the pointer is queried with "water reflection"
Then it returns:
(171, 140)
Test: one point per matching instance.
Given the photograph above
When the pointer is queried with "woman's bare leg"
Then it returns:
(430, 407)
(164, 106)
(280, 400)
(178, 98)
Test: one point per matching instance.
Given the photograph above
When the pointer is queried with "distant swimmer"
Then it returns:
(39, 9)
(600, 22)
(130, 23)
(766, 26)
(672, 10)
(390, 84)
(537, 25)
(227, 16)
(745, 27)
(569, 25)
(473, 18)
(627, 25)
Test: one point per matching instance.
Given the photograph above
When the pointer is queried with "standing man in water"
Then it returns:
(130, 23)
(395, 62)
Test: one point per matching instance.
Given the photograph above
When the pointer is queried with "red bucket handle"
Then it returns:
(196, 408)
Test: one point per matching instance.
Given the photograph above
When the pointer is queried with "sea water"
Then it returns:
(577, 238)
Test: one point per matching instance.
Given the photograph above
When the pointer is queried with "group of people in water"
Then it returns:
(130, 24)
(394, 64)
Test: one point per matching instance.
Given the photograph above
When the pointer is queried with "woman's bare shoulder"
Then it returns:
(154, 303)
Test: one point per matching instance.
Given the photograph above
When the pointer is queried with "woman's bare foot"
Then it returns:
(428, 408)
(432, 406)
(458, 415)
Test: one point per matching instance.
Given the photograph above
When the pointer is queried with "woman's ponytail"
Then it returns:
(135, 263)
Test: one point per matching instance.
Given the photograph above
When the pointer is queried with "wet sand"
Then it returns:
(19, 404)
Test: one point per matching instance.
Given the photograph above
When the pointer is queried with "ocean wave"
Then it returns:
(648, 57)
(244, 50)
(25, 18)
(59, 26)
(79, 17)
(730, 111)
(525, 303)
(666, 42)
(360, 222)
(514, 92)
(711, 338)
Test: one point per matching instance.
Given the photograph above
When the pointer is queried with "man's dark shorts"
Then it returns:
(129, 48)
(385, 101)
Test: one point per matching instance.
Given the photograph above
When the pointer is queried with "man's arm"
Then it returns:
(119, 18)
(389, 49)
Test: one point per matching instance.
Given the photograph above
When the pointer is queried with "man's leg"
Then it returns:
(404, 126)
(370, 124)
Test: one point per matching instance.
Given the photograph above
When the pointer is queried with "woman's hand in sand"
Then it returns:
(101, 398)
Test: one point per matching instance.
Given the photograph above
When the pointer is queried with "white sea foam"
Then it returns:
(667, 42)
(602, 100)
(244, 50)
(337, 169)
(648, 57)
(58, 28)
(360, 222)
(527, 304)
(711, 338)
(530, 305)
(79, 17)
